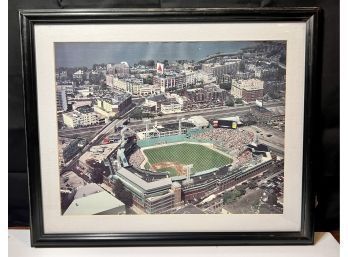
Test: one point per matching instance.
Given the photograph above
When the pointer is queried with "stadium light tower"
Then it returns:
(147, 122)
(179, 120)
(188, 172)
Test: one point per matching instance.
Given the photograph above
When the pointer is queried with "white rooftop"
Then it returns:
(199, 121)
(87, 190)
(79, 72)
(249, 84)
(93, 204)
(142, 183)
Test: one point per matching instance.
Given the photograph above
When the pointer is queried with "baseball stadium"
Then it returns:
(166, 169)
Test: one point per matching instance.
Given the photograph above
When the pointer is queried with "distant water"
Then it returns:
(87, 54)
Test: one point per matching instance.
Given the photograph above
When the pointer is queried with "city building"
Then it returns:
(86, 190)
(217, 69)
(61, 76)
(170, 81)
(145, 89)
(166, 103)
(149, 106)
(68, 86)
(81, 117)
(116, 105)
(78, 75)
(109, 80)
(61, 99)
(170, 106)
(68, 148)
(248, 90)
(204, 77)
(102, 154)
(101, 203)
(210, 93)
(122, 69)
(151, 197)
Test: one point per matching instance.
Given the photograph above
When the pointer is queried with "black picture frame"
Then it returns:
(30, 18)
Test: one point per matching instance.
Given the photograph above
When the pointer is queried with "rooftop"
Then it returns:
(87, 190)
(248, 84)
(79, 72)
(84, 109)
(199, 121)
(157, 98)
(99, 152)
(117, 98)
(142, 183)
(93, 204)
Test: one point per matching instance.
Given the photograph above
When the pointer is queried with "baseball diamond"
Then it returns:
(178, 155)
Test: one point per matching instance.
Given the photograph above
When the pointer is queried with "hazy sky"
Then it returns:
(87, 54)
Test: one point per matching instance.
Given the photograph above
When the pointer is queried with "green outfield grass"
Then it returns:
(202, 158)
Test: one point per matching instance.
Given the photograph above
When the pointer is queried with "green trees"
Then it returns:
(137, 114)
(238, 101)
(230, 102)
(226, 86)
(97, 176)
(122, 194)
(230, 197)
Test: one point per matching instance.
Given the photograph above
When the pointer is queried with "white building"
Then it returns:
(170, 81)
(145, 89)
(78, 75)
(135, 86)
(171, 106)
(115, 105)
(248, 89)
(109, 80)
(205, 78)
(191, 77)
(217, 69)
(81, 117)
(199, 121)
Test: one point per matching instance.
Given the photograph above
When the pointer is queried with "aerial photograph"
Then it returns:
(171, 127)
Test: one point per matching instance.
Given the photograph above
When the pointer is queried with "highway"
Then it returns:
(107, 129)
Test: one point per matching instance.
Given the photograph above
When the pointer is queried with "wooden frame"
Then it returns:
(31, 18)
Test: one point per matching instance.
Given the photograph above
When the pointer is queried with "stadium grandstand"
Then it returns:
(159, 191)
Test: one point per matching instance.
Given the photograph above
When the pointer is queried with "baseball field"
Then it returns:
(173, 158)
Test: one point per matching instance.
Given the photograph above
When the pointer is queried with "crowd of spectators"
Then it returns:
(234, 140)
(244, 157)
(136, 158)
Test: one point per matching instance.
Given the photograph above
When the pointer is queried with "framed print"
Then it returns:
(154, 127)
